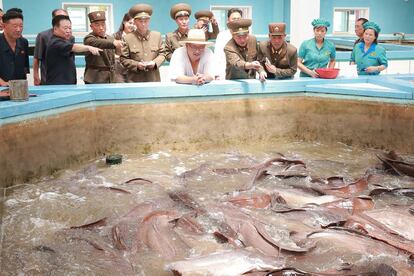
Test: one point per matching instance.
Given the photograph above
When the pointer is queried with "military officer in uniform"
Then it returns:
(241, 53)
(143, 52)
(101, 68)
(204, 18)
(180, 13)
(279, 58)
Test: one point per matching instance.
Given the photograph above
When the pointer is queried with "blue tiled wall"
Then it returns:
(38, 17)
(392, 15)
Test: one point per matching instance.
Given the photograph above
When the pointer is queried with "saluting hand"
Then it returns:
(94, 51)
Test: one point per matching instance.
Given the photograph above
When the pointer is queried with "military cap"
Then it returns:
(240, 26)
(320, 22)
(371, 25)
(203, 15)
(277, 28)
(180, 9)
(96, 16)
(140, 11)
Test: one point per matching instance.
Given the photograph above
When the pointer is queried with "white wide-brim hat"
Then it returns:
(196, 36)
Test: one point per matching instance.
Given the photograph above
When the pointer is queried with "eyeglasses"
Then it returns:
(194, 47)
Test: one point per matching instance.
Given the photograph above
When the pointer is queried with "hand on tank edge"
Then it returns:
(4, 83)
(262, 76)
(36, 79)
(314, 74)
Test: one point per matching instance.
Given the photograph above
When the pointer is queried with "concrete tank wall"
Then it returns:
(44, 144)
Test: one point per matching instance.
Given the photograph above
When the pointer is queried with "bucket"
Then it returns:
(19, 90)
(327, 73)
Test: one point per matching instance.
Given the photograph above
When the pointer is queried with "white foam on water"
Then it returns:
(166, 154)
(11, 202)
(154, 156)
(83, 179)
(104, 182)
(41, 223)
(157, 155)
(49, 196)
(179, 170)
(75, 197)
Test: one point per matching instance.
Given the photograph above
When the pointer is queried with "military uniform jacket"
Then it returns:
(285, 59)
(100, 69)
(172, 42)
(213, 34)
(236, 58)
(148, 47)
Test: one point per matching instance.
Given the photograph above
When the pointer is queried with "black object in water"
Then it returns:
(114, 159)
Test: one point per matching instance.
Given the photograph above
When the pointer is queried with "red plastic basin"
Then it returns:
(327, 73)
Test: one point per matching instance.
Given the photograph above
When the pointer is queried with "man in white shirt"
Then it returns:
(193, 63)
(221, 41)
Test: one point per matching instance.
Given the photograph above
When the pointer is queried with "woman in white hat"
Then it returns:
(193, 63)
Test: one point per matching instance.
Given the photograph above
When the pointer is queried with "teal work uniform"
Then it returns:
(374, 56)
(313, 57)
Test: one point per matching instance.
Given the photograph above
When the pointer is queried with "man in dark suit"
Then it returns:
(14, 57)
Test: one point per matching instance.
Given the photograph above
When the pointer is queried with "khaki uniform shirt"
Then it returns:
(148, 47)
(285, 59)
(120, 71)
(236, 58)
(100, 69)
(172, 42)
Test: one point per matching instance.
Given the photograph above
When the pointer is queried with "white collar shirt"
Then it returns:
(180, 64)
